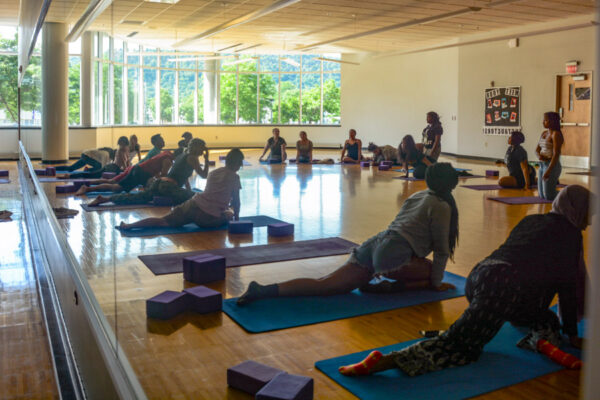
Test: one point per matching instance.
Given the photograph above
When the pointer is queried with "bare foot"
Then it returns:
(124, 226)
(82, 190)
(98, 200)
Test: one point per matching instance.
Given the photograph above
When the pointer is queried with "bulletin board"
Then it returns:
(502, 110)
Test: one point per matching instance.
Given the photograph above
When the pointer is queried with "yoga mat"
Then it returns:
(497, 187)
(171, 263)
(258, 220)
(501, 364)
(410, 178)
(115, 207)
(410, 169)
(54, 179)
(286, 312)
(4, 180)
(521, 200)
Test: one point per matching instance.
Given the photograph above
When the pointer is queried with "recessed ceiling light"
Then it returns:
(132, 34)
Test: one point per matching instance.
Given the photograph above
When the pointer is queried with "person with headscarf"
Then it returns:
(541, 257)
(520, 174)
(427, 222)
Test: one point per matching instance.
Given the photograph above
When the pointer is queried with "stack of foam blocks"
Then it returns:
(268, 383)
(491, 172)
(169, 304)
(280, 229)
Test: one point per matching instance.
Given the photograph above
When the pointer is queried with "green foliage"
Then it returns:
(74, 91)
(166, 106)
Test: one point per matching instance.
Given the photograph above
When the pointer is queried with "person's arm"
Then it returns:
(426, 161)
(344, 150)
(359, 150)
(538, 150)
(165, 167)
(283, 153)
(436, 142)
(557, 142)
(203, 172)
(567, 300)
(525, 169)
(406, 168)
(310, 152)
(235, 204)
(264, 151)
(440, 231)
(187, 184)
(297, 151)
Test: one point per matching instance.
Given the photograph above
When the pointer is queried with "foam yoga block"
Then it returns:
(240, 227)
(108, 175)
(204, 268)
(4, 172)
(383, 167)
(162, 201)
(390, 163)
(66, 189)
(203, 300)
(491, 172)
(287, 387)
(251, 376)
(50, 171)
(212, 163)
(280, 229)
(222, 158)
(40, 172)
(365, 164)
(166, 305)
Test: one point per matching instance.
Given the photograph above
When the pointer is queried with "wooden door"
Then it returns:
(574, 104)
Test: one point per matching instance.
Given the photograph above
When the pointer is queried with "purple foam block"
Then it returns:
(280, 229)
(40, 172)
(491, 172)
(204, 268)
(287, 387)
(251, 376)
(108, 175)
(66, 189)
(383, 167)
(50, 171)
(240, 227)
(204, 300)
(4, 172)
(222, 158)
(365, 164)
(212, 163)
(162, 201)
(291, 160)
(390, 163)
(166, 305)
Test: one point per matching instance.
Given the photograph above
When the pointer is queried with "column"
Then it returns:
(87, 79)
(55, 93)
(210, 91)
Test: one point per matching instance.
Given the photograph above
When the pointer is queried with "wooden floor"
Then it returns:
(25, 367)
(187, 357)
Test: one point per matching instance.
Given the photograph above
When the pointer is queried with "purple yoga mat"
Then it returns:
(521, 200)
(171, 263)
(496, 187)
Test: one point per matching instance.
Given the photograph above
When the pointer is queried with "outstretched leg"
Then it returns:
(99, 200)
(145, 223)
(105, 187)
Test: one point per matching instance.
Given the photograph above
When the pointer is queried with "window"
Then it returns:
(149, 77)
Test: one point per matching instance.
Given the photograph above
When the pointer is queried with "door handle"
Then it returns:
(568, 123)
(583, 124)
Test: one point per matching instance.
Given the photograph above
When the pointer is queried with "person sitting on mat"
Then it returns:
(383, 153)
(158, 142)
(210, 208)
(170, 185)
(122, 154)
(408, 154)
(427, 221)
(352, 150)
(96, 159)
(304, 149)
(133, 176)
(134, 148)
(276, 147)
(182, 144)
(548, 151)
(120, 163)
(542, 257)
(521, 174)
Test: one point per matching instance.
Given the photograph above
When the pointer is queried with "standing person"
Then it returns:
(432, 136)
(304, 149)
(542, 257)
(352, 150)
(187, 136)
(133, 176)
(158, 142)
(548, 151)
(95, 158)
(427, 221)
(122, 155)
(409, 155)
(170, 185)
(276, 147)
(209, 208)
(521, 174)
(383, 153)
(134, 148)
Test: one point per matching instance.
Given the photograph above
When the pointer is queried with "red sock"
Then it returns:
(363, 367)
(558, 356)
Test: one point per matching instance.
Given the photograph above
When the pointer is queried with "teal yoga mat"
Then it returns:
(287, 312)
(258, 220)
(502, 364)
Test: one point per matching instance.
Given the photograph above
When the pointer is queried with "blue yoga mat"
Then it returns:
(286, 312)
(502, 364)
(258, 220)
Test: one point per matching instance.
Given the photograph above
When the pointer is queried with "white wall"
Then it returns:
(533, 66)
(386, 98)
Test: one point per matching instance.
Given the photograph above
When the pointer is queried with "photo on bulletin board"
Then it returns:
(502, 110)
(582, 93)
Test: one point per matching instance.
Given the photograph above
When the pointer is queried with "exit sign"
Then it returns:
(572, 67)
